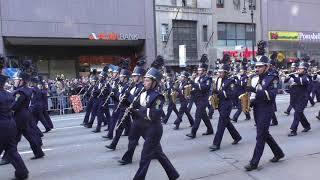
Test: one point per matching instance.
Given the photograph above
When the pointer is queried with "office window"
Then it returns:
(174, 2)
(233, 34)
(220, 3)
(185, 33)
(205, 33)
(184, 3)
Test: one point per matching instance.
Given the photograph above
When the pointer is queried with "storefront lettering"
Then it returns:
(113, 36)
(309, 36)
(236, 54)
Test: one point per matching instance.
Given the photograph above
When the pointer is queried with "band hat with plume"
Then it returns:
(225, 67)
(262, 59)
(154, 71)
(25, 71)
(203, 61)
(139, 69)
(125, 68)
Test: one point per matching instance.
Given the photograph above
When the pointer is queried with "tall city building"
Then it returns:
(71, 37)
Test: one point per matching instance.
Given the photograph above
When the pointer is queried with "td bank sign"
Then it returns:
(293, 36)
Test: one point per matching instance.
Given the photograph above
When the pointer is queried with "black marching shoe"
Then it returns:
(192, 136)
(96, 131)
(286, 113)
(4, 162)
(236, 141)
(112, 147)
(234, 120)
(276, 158)
(123, 162)
(292, 133)
(107, 137)
(21, 176)
(46, 131)
(250, 167)
(207, 133)
(306, 129)
(88, 126)
(83, 124)
(38, 156)
(318, 117)
(176, 128)
(274, 124)
(214, 148)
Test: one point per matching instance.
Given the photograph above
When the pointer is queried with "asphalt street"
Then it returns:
(75, 153)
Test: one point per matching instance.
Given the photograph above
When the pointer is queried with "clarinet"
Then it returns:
(127, 111)
(121, 98)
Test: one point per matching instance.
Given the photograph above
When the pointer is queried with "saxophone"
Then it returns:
(214, 99)
(245, 98)
(187, 90)
(174, 93)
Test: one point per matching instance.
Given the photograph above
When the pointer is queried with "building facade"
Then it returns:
(292, 28)
(71, 37)
(213, 27)
(234, 31)
(183, 22)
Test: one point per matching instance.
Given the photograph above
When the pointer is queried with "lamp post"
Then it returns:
(244, 11)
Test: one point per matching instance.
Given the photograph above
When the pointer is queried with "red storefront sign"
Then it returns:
(238, 54)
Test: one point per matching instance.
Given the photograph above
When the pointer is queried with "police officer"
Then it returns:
(299, 93)
(241, 84)
(264, 90)
(184, 82)
(201, 88)
(224, 88)
(148, 109)
(8, 130)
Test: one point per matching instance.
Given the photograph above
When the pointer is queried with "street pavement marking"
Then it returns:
(69, 127)
(28, 152)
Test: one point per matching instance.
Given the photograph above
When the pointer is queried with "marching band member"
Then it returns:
(201, 88)
(264, 89)
(225, 89)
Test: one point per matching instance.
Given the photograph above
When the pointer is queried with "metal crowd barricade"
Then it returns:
(62, 104)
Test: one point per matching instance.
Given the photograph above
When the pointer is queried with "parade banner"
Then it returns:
(76, 103)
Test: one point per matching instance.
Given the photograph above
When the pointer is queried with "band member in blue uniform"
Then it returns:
(36, 105)
(241, 86)
(299, 93)
(8, 129)
(224, 89)
(169, 88)
(135, 131)
(103, 107)
(94, 99)
(201, 88)
(290, 81)
(148, 109)
(264, 89)
(93, 83)
(273, 70)
(44, 91)
(123, 122)
(184, 82)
